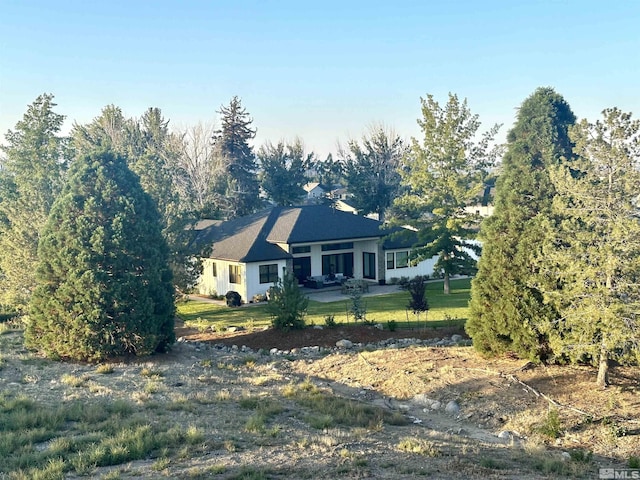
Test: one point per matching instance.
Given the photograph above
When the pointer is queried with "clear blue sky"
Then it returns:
(321, 70)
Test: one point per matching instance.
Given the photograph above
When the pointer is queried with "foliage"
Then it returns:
(392, 325)
(283, 171)
(371, 170)
(103, 284)
(418, 302)
(591, 257)
(505, 308)
(443, 175)
(233, 299)
(330, 321)
(287, 304)
(31, 175)
(239, 187)
(357, 307)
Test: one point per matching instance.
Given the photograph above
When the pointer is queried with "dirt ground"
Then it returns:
(308, 337)
(553, 422)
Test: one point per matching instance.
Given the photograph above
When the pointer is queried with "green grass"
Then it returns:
(445, 310)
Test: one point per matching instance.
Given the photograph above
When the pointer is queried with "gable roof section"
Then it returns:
(255, 238)
(243, 239)
(319, 223)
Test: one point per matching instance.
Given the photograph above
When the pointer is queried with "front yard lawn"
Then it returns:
(445, 310)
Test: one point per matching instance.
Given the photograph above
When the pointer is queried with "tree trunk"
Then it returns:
(446, 283)
(603, 368)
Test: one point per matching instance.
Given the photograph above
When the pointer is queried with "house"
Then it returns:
(314, 190)
(248, 254)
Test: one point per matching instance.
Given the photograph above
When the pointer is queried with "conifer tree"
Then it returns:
(283, 171)
(442, 175)
(31, 176)
(505, 311)
(287, 303)
(240, 187)
(103, 286)
(590, 260)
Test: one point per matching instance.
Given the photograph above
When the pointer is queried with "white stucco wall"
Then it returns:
(254, 287)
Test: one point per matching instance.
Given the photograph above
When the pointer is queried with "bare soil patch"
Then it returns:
(223, 395)
(309, 337)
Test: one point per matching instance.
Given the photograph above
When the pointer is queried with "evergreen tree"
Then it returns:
(443, 175)
(287, 304)
(505, 310)
(372, 170)
(590, 261)
(240, 187)
(151, 152)
(283, 171)
(31, 176)
(103, 285)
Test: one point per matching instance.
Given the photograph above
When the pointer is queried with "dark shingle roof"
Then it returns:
(254, 238)
(319, 223)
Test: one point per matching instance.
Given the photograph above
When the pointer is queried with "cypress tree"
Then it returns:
(505, 310)
(103, 286)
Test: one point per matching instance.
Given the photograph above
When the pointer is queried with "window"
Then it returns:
(391, 264)
(402, 259)
(337, 246)
(305, 249)
(234, 274)
(269, 273)
(214, 269)
(369, 265)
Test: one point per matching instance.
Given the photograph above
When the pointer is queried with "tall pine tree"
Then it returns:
(31, 176)
(103, 285)
(240, 187)
(505, 311)
(590, 260)
(443, 174)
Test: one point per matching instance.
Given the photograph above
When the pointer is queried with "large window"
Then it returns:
(234, 274)
(402, 259)
(391, 264)
(214, 269)
(338, 263)
(369, 265)
(269, 273)
(337, 246)
(304, 249)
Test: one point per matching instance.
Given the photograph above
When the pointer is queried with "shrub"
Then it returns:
(330, 321)
(417, 288)
(233, 299)
(392, 325)
(287, 304)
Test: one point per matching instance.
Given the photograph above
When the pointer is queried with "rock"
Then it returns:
(455, 338)
(436, 405)
(422, 400)
(318, 327)
(379, 326)
(505, 435)
(344, 343)
(565, 456)
(235, 329)
(273, 351)
(452, 407)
